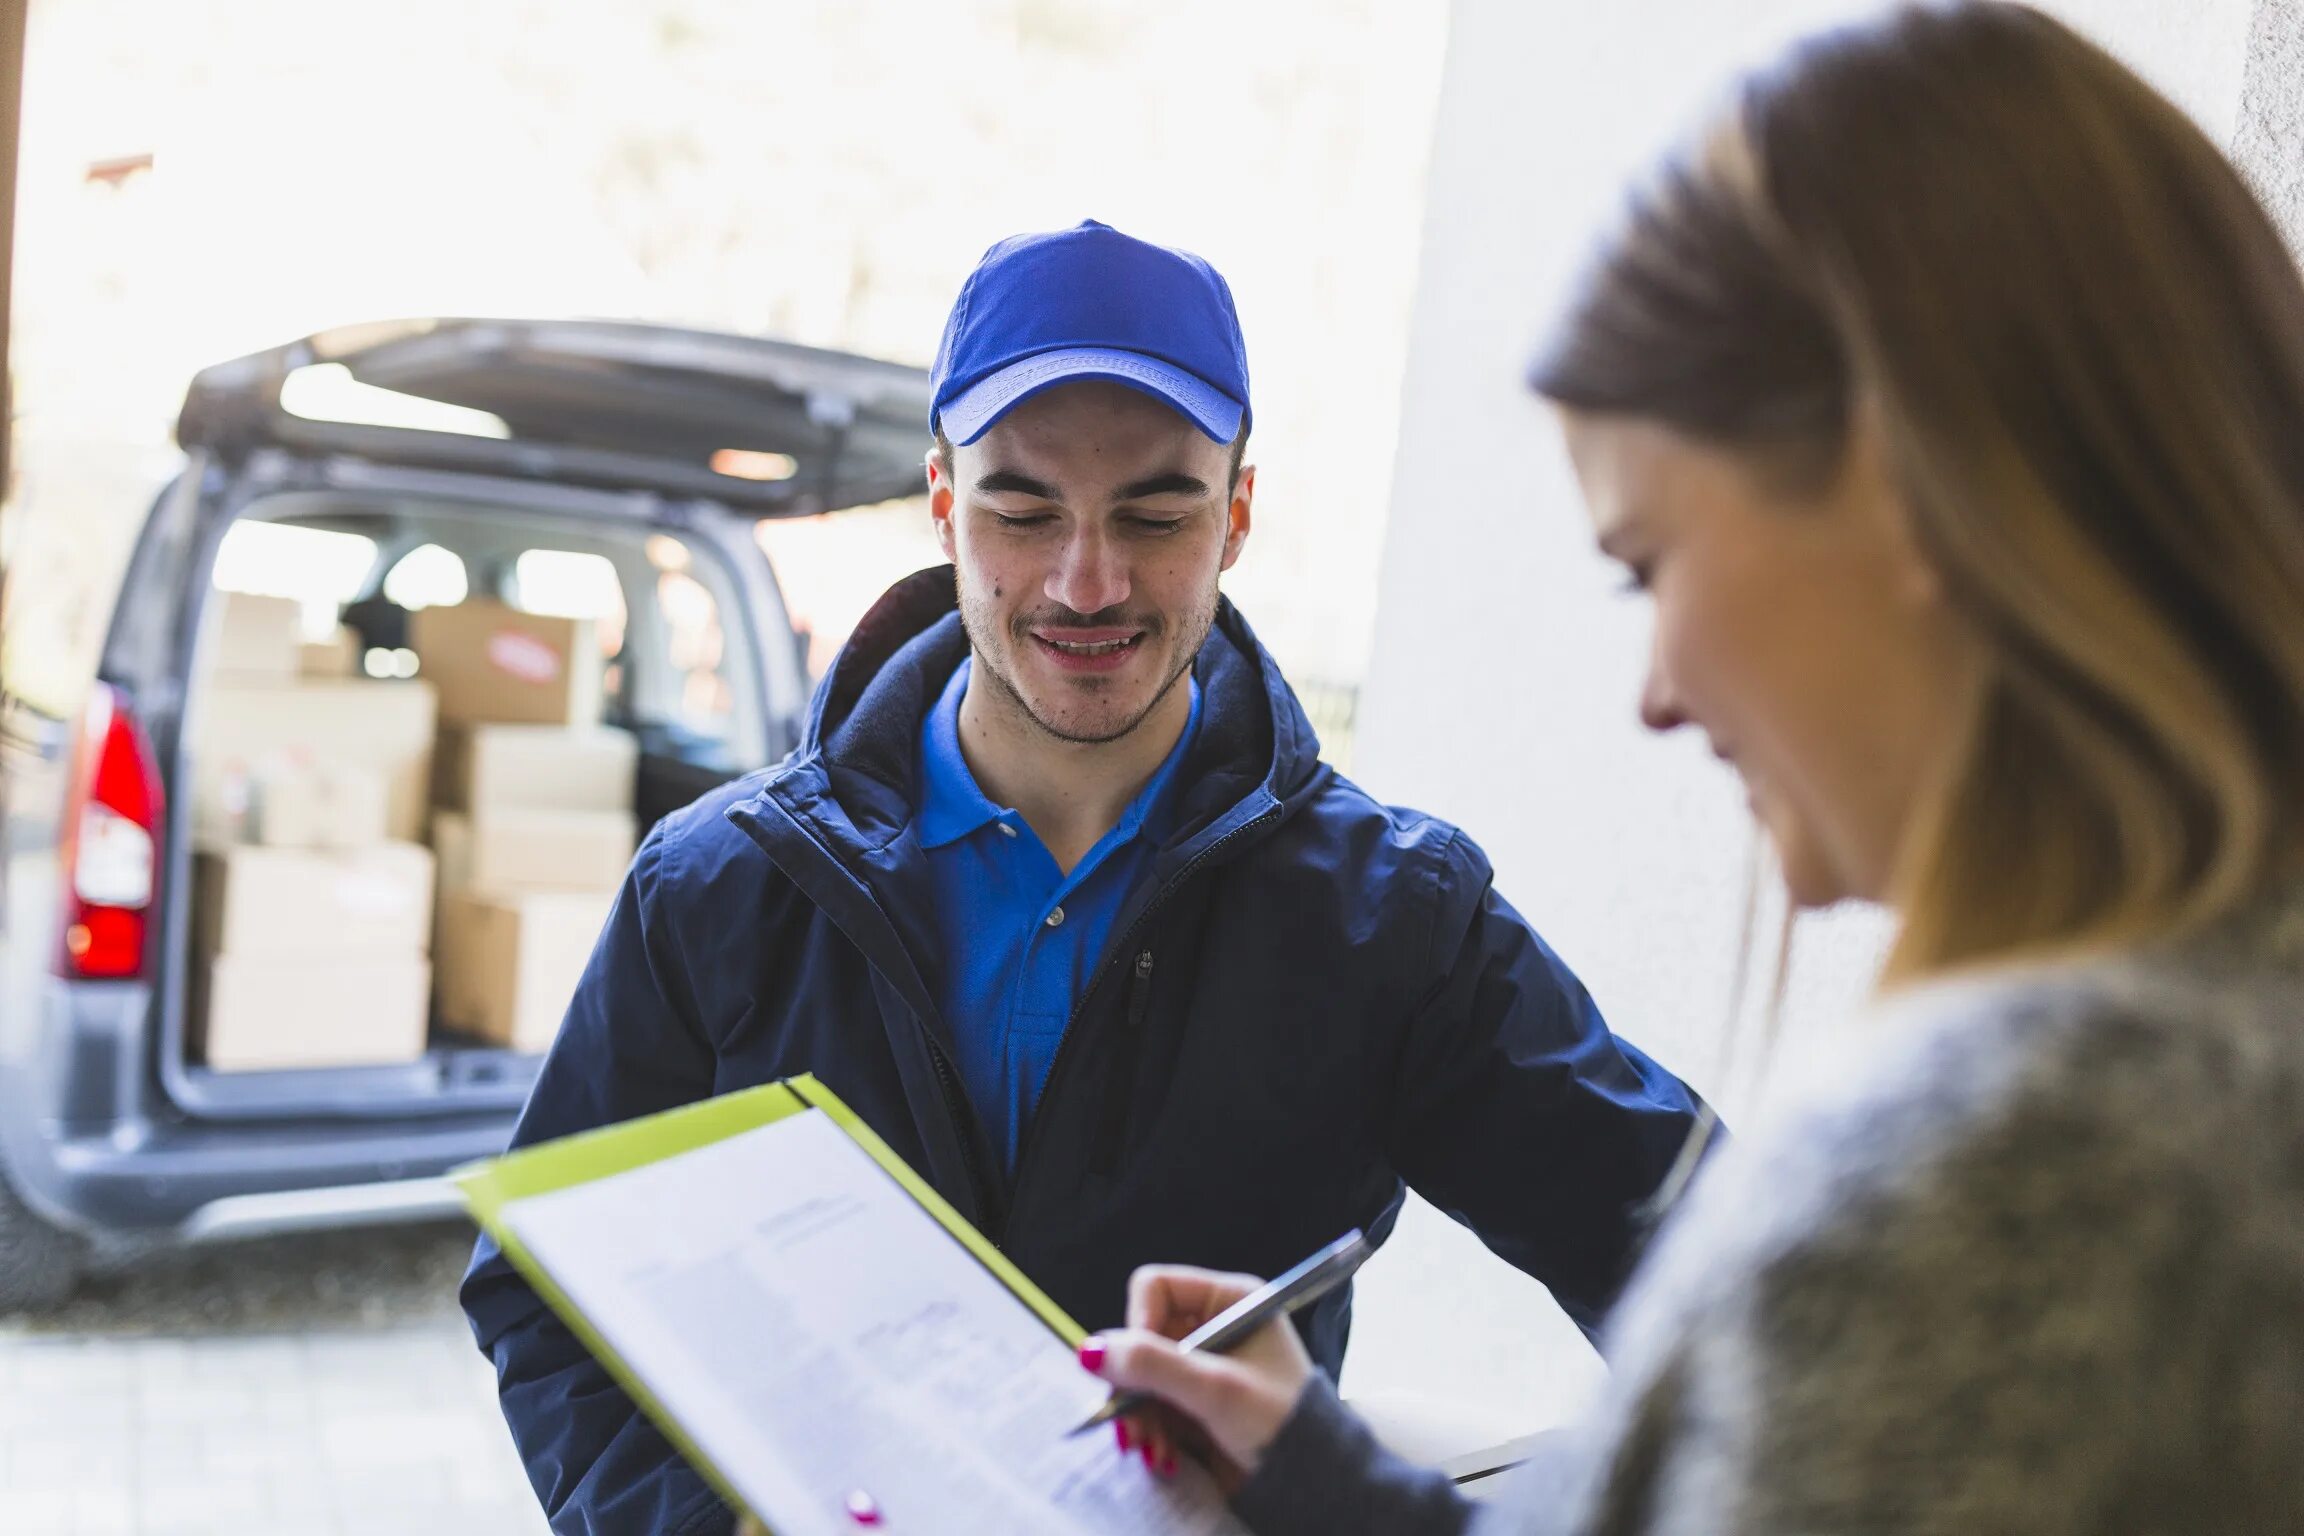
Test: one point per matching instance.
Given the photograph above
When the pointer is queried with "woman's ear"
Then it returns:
(1870, 489)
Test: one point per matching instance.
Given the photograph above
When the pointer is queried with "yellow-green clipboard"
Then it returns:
(491, 1186)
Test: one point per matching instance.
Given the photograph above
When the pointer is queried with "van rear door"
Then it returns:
(768, 428)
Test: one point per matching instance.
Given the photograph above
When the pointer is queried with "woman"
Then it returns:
(1949, 401)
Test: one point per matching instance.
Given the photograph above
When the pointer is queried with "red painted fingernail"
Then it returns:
(1092, 1356)
(1120, 1433)
(862, 1509)
(1148, 1463)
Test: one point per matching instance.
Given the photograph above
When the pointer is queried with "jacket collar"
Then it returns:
(855, 777)
(835, 814)
(952, 804)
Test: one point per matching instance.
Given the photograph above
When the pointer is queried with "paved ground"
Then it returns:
(321, 1386)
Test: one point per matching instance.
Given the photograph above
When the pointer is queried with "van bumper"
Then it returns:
(192, 1185)
(80, 1144)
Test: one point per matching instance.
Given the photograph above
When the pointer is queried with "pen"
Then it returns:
(1232, 1327)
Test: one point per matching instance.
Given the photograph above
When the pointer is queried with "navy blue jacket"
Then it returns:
(1314, 998)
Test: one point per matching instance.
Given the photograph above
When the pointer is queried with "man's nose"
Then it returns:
(1091, 574)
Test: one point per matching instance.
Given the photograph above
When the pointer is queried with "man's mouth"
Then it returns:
(1088, 649)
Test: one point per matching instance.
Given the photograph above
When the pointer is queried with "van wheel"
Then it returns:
(39, 1265)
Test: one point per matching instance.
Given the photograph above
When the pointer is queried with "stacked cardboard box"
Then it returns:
(254, 637)
(336, 656)
(312, 899)
(290, 797)
(496, 665)
(386, 727)
(532, 825)
(311, 957)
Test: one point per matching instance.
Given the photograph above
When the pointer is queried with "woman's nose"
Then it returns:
(1660, 708)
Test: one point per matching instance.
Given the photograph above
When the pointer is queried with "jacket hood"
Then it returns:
(1254, 749)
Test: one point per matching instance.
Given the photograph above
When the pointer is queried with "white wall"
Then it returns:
(1501, 691)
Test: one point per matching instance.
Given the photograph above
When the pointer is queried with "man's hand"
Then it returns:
(1227, 1407)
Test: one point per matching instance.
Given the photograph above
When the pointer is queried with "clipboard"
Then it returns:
(494, 1188)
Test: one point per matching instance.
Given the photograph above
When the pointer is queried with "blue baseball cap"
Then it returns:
(1090, 303)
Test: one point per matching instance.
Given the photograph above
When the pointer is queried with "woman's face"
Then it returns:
(1802, 633)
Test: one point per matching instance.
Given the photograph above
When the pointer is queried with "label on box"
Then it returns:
(523, 656)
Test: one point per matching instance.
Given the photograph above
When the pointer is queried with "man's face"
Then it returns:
(1088, 527)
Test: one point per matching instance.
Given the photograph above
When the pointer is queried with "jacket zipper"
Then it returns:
(1104, 1156)
(1140, 991)
(948, 1082)
(1064, 1051)
(963, 1125)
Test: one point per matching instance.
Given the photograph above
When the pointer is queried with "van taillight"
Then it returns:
(112, 827)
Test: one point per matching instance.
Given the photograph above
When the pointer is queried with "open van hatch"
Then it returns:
(766, 427)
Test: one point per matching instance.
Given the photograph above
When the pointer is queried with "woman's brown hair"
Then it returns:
(2082, 340)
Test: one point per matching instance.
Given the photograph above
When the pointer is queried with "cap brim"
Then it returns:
(971, 413)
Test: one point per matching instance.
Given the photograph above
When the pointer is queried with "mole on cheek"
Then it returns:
(995, 589)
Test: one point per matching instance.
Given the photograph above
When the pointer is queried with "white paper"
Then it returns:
(818, 1335)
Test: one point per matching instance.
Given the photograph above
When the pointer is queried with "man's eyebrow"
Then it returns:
(1013, 483)
(1173, 483)
(1016, 483)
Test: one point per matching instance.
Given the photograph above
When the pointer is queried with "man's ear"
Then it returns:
(1236, 529)
(940, 504)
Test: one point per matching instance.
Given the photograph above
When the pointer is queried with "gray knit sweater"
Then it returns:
(2041, 1270)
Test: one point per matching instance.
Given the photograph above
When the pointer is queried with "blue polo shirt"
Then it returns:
(1020, 940)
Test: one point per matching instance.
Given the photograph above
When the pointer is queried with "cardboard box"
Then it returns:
(255, 637)
(220, 799)
(510, 964)
(540, 767)
(312, 803)
(290, 800)
(384, 726)
(273, 1012)
(511, 849)
(495, 663)
(335, 657)
(303, 902)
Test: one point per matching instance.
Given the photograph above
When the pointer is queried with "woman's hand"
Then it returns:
(1228, 1406)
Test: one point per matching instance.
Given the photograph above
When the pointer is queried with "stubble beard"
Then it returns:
(992, 660)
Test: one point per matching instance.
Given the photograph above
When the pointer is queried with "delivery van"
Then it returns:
(318, 790)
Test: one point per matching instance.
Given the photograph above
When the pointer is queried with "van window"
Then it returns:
(667, 613)
(568, 585)
(685, 673)
(329, 392)
(694, 644)
(319, 568)
(660, 609)
(427, 577)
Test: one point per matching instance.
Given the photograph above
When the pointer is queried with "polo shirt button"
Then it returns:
(1005, 829)
(1056, 918)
